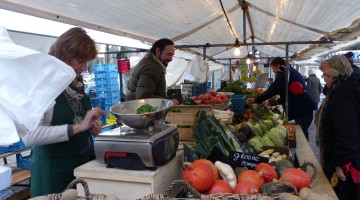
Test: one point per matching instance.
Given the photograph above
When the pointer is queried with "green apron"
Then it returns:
(52, 166)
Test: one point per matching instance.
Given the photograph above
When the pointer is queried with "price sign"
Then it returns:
(246, 160)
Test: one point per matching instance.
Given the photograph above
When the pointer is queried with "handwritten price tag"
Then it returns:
(246, 160)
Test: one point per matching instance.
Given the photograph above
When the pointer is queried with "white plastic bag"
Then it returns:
(29, 83)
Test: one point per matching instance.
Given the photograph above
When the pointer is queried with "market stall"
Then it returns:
(128, 184)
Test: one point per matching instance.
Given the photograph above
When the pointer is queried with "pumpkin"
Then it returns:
(268, 172)
(283, 164)
(199, 175)
(215, 169)
(246, 187)
(220, 187)
(297, 177)
(253, 177)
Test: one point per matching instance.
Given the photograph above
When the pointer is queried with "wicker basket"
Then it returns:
(192, 193)
(72, 185)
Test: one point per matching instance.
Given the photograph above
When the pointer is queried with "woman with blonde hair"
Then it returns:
(339, 127)
(67, 127)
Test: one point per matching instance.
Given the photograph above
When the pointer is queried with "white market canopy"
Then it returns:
(189, 22)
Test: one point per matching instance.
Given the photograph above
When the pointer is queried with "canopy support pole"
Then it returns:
(287, 76)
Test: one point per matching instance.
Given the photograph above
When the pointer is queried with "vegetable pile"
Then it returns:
(224, 116)
(211, 97)
(253, 92)
(146, 108)
(236, 87)
(220, 178)
(209, 133)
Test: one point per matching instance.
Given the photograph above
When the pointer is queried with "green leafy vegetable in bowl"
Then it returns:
(146, 108)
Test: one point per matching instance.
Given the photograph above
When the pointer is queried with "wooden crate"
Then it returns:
(185, 119)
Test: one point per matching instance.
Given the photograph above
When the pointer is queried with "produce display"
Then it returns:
(262, 180)
(146, 108)
(235, 87)
(209, 133)
(211, 97)
(259, 128)
(253, 92)
(224, 117)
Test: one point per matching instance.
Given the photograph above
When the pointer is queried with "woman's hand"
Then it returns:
(91, 117)
(95, 129)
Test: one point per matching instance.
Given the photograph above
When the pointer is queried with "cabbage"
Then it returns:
(276, 136)
(268, 124)
(251, 122)
(255, 142)
(265, 140)
(262, 127)
(282, 129)
(256, 130)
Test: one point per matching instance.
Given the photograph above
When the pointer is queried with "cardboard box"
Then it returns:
(290, 129)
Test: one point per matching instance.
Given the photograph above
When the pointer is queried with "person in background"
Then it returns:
(235, 74)
(349, 56)
(66, 128)
(300, 104)
(314, 85)
(339, 128)
(148, 76)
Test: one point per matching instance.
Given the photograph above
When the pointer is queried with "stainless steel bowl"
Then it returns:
(125, 112)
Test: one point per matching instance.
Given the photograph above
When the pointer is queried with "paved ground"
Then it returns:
(312, 133)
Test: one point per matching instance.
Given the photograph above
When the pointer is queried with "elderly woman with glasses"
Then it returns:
(339, 127)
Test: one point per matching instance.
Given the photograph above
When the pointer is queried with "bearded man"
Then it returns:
(148, 76)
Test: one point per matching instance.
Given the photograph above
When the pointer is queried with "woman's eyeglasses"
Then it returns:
(322, 76)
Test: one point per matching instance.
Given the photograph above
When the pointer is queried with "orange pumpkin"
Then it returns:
(297, 177)
(253, 177)
(220, 187)
(268, 172)
(200, 176)
(215, 169)
(246, 187)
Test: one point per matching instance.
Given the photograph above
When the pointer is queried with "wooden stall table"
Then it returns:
(304, 153)
(129, 184)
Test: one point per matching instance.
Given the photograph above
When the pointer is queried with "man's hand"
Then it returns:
(340, 173)
(250, 100)
(175, 101)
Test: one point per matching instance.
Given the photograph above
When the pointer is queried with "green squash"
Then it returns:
(281, 165)
(265, 188)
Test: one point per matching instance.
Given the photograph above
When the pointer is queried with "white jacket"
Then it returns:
(44, 133)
